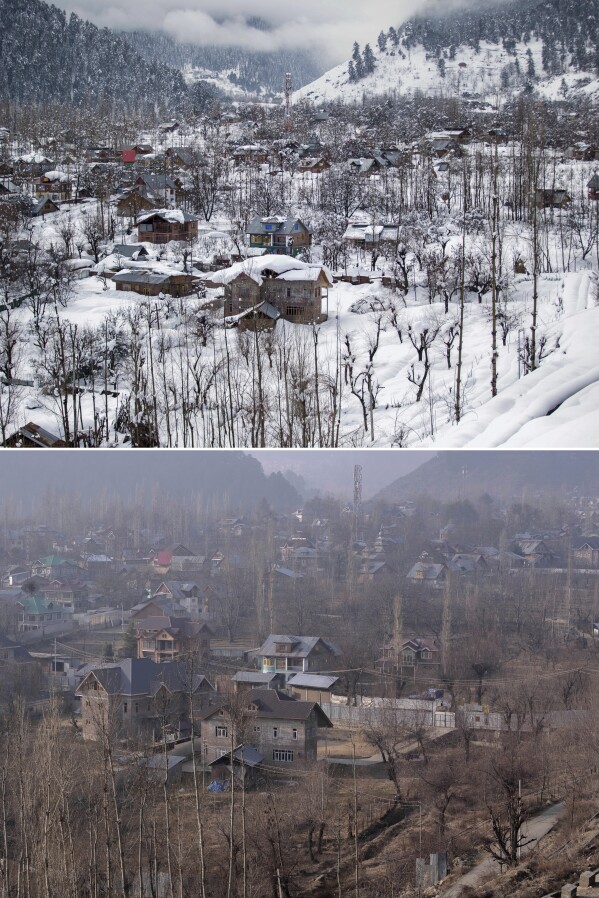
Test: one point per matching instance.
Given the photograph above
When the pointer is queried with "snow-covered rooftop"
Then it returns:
(284, 267)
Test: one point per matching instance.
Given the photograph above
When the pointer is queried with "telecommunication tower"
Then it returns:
(357, 498)
(288, 91)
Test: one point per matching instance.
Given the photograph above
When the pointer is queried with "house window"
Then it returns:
(124, 707)
(222, 732)
(293, 311)
(256, 729)
(294, 733)
(275, 732)
(136, 707)
(281, 754)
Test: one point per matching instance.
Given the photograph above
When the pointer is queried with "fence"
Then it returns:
(415, 713)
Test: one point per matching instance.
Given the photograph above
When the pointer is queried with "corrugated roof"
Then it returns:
(253, 676)
(312, 681)
(141, 277)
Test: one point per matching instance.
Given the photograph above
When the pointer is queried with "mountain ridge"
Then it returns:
(500, 473)
(551, 47)
(51, 56)
(231, 479)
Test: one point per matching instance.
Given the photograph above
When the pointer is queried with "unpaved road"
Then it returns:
(535, 829)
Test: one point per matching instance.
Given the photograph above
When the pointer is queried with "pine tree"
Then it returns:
(356, 53)
(369, 60)
(530, 65)
(393, 36)
(351, 71)
(382, 41)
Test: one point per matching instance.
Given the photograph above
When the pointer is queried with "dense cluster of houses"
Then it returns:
(548, 549)
(164, 603)
(154, 197)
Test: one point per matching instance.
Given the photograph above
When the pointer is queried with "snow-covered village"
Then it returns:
(400, 253)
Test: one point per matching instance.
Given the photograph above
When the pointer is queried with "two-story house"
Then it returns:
(54, 567)
(138, 696)
(585, 551)
(296, 654)
(161, 187)
(412, 652)
(283, 729)
(35, 613)
(293, 288)
(56, 185)
(189, 595)
(166, 638)
(279, 234)
(299, 554)
(163, 225)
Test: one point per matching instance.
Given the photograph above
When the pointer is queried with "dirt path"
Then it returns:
(534, 829)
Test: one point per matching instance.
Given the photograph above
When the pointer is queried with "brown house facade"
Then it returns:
(298, 295)
(150, 283)
(164, 225)
(166, 638)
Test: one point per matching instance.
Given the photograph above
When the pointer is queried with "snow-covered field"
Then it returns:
(556, 405)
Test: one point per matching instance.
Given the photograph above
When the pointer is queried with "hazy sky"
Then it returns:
(327, 26)
(332, 471)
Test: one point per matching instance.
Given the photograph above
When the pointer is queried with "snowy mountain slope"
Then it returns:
(550, 47)
(477, 75)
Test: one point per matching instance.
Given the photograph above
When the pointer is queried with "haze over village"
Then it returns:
(246, 684)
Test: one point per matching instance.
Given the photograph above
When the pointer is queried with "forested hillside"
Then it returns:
(49, 56)
(569, 30)
(500, 474)
(497, 47)
(250, 71)
(232, 480)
